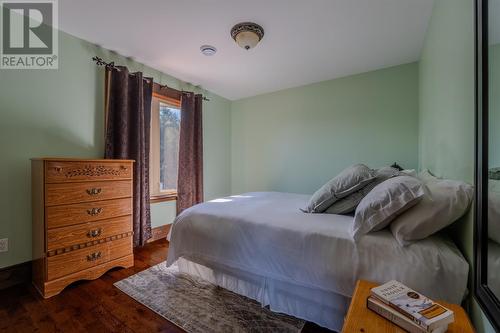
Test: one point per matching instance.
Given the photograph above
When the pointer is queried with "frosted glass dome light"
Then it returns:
(247, 34)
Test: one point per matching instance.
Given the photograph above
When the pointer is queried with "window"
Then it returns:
(165, 128)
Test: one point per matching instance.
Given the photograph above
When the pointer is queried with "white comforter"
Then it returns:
(266, 234)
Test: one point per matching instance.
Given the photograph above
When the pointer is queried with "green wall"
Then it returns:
(60, 113)
(296, 139)
(446, 115)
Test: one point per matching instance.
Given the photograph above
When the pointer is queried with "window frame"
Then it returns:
(155, 194)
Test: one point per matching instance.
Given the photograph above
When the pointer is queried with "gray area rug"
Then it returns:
(198, 306)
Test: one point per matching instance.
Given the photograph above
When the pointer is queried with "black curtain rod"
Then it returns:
(111, 65)
(164, 86)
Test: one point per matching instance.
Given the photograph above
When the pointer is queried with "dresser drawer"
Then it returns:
(59, 216)
(64, 237)
(69, 171)
(77, 260)
(67, 193)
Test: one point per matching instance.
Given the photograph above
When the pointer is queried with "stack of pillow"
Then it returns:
(414, 207)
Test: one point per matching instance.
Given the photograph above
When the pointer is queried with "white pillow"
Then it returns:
(444, 202)
(494, 210)
(387, 200)
(410, 172)
(426, 176)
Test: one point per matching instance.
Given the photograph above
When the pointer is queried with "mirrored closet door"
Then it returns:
(487, 231)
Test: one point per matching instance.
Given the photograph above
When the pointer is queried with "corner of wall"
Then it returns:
(446, 112)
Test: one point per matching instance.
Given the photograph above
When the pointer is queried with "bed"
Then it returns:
(262, 246)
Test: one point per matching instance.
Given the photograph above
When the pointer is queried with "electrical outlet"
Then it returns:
(4, 245)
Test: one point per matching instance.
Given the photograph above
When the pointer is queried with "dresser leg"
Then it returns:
(54, 287)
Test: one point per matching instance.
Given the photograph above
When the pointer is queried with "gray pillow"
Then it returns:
(443, 203)
(386, 201)
(348, 181)
(349, 203)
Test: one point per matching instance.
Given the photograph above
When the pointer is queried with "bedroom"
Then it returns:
(324, 86)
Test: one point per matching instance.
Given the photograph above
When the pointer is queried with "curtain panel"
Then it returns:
(128, 124)
(190, 174)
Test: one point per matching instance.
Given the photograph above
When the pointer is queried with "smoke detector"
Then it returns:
(208, 50)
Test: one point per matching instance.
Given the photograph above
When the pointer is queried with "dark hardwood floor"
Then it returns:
(90, 306)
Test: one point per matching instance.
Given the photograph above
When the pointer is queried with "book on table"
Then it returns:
(421, 310)
(397, 318)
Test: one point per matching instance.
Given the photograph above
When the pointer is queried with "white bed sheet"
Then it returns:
(324, 308)
(265, 233)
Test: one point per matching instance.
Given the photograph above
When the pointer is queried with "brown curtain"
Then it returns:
(128, 123)
(190, 176)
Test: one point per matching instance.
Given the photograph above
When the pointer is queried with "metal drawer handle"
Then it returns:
(94, 233)
(94, 211)
(93, 191)
(94, 256)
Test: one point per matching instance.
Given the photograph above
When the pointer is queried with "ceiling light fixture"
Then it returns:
(208, 50)
(247, 34)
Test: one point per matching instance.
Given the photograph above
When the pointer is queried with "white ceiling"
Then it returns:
(304, 42)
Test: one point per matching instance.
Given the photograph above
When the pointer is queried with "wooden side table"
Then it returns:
(363, 320)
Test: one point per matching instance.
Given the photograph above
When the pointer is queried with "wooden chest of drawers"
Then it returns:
(82, 220)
